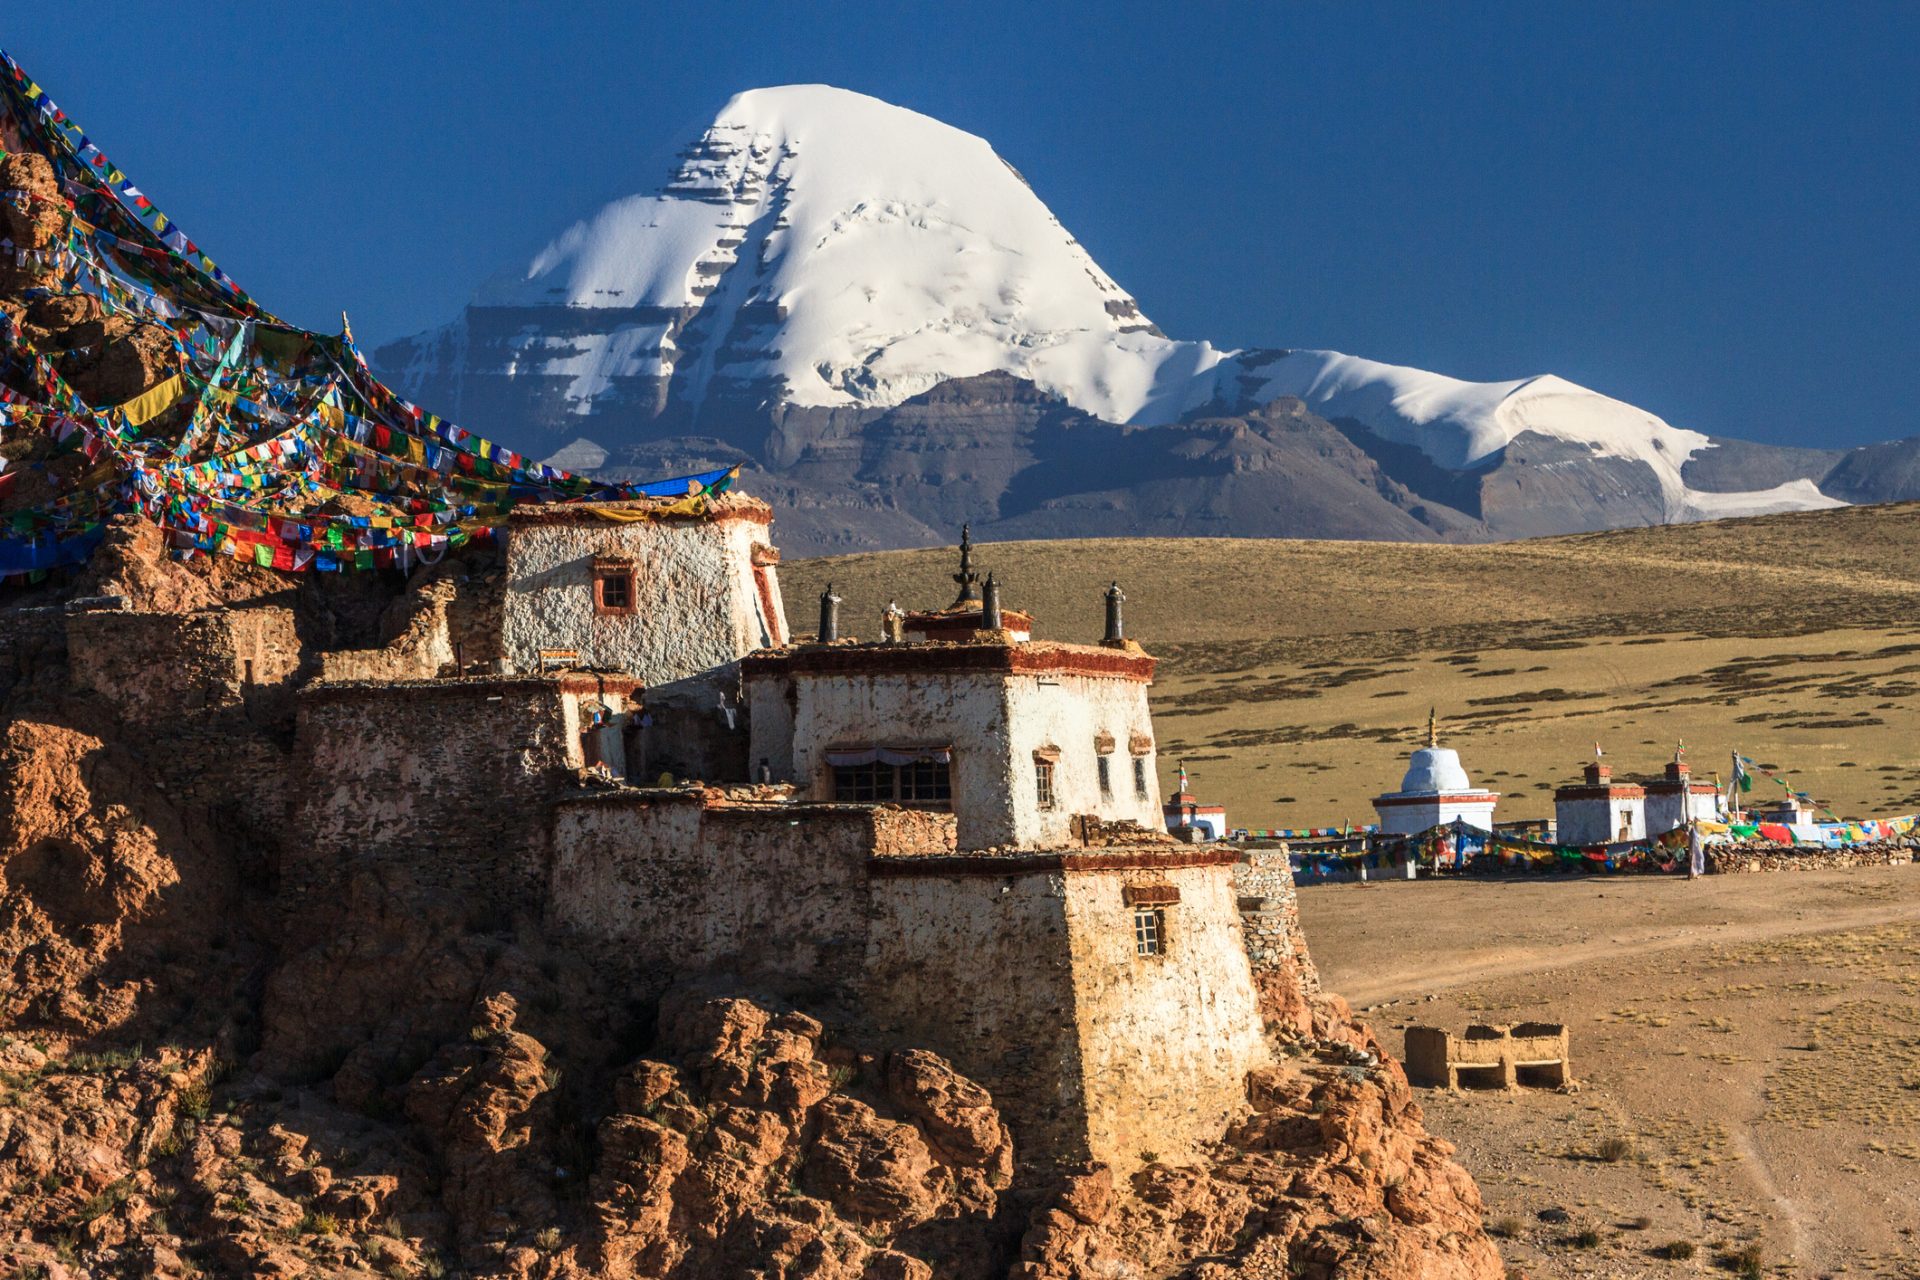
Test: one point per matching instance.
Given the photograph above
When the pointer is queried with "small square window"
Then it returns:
(1106, 776)
(926, 782)
(863, 783)
(1140, 776)
(613, 588)
(1043, 783)
(1149, 931)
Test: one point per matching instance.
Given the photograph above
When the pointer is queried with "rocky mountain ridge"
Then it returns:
(864, 305)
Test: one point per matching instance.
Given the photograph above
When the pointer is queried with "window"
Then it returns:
(924, 782)
(1106, 777)
(1149, 931)
(1043, 783)
(918, 782)
(613, 587)
(1140, 776)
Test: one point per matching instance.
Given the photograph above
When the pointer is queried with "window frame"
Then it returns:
(918, 784)
(1103, 765)
(624, 573)
(1149, 932)
(1045, 795)
(1140, 791)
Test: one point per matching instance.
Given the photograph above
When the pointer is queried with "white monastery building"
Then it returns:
(1675, 799)
(1435, 792)
(1600, 810)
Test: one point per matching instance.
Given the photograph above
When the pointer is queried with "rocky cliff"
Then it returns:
(515, 1116)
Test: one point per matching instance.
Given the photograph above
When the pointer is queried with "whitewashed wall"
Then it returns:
(698, 604)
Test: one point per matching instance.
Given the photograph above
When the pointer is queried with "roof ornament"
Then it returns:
(893, 623)
(1433, 727)
(967, 578)
(990, 605)
(1116, 632)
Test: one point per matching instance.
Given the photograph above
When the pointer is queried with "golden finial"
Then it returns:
(1433, 727)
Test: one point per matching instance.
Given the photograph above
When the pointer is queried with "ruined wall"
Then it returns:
(1168, 1039)
(975, 968)
(1069, 712)
(659, 884)
(698, 603)
(161, 666)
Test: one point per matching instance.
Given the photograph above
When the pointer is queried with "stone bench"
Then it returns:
(1509, 1056)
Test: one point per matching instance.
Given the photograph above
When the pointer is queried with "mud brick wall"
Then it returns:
(32, 640)
(154, 667)
(660, 885)
(449, 779)
(1739, 859)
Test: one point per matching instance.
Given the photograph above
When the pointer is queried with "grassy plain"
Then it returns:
(1296, 676)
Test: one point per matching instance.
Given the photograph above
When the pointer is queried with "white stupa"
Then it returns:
(1435, 792)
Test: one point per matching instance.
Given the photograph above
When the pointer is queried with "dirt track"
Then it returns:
(1756, 1038)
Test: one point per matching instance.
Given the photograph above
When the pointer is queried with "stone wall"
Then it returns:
(1269, 903)
(976, 968)
(1740, 858)
(998, 723)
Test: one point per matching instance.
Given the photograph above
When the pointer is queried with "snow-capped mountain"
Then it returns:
(819, 263)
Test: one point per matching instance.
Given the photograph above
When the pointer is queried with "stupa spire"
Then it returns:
(1433, 726)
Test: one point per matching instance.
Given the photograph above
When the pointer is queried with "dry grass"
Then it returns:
(1297, 675)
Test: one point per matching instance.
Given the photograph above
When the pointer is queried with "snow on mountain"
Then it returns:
(895, 251)
(820, 248)
(1460, 424)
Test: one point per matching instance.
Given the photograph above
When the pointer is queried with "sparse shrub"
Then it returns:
(1676, 1250)
(318, 1224)
(548, 1240)
(1585, 1238)
(1640, 1223)
(432, 1268)
(1615, 1149)
(196, 1100)
(842, 1076)
(168, 1145)
(1748, 1262)
(1150, 1157)
(1504, 1228)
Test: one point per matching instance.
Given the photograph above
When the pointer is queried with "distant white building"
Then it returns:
(1185, 812)
(1600, 810)
(1676, 799)
(1435, 792)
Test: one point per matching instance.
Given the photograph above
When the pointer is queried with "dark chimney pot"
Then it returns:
(829, 616)
(1116, 632)
(990, 605)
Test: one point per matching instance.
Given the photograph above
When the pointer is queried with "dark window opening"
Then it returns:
(1149, 931)
(922, 782)
(1140, 776)
(1106, 777)
(1043, 783)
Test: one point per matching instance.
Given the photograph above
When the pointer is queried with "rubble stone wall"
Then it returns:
(1270, 917)
(971, 968)
(449, 780)
(1735, 859)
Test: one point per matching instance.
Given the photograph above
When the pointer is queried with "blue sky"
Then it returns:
(1706, 209)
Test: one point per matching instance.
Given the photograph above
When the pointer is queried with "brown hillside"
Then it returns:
(1296, 673)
